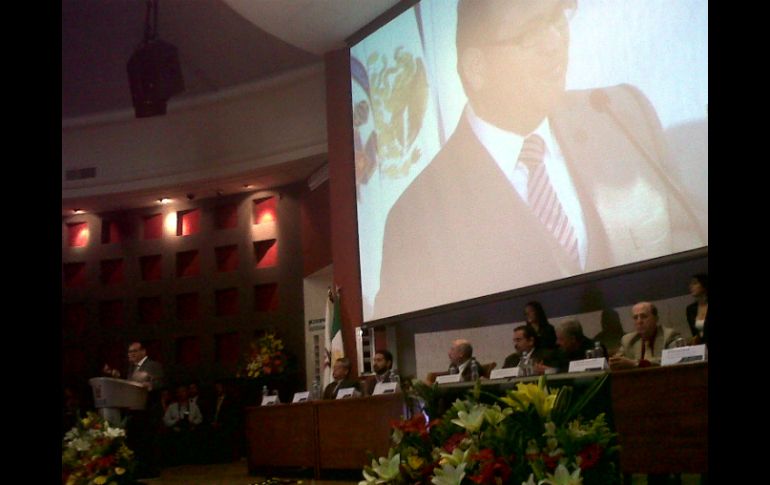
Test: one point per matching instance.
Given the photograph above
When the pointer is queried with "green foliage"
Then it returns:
(94, 452)
(530, 434)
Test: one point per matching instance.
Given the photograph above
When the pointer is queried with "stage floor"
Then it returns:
(235, 473)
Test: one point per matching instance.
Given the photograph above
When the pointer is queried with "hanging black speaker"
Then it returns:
(155, 75)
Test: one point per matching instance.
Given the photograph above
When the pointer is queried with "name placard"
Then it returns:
(683, 355)
(385, 388)
(300, 397)
(504, 373)
(449, 378)
(584, 365)
(270, 400)
(345, 392)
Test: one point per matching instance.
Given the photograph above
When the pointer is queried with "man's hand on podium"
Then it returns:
(108, 371)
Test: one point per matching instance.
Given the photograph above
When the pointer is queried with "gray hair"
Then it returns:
(571, 328)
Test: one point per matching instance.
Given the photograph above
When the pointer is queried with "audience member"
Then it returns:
(222, 435)
(202, 399)
(697, 312)
(340, 374)
(193, 391)
(182, 419)
(535, 317)
(644, 346)
(382, 364)
(528, 353)
(460, 359)
(166, 398)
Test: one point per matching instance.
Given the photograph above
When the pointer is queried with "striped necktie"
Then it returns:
(542, 198)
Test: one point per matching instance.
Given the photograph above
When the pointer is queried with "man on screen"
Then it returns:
(536, 183)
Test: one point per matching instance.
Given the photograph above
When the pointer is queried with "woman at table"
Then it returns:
(697, 311)
(536, 318)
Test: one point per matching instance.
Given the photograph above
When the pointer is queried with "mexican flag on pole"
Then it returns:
(333, 335)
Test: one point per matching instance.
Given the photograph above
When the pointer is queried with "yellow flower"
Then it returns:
(537, 395)
(415, 462)
(100, 480)
(119, 470)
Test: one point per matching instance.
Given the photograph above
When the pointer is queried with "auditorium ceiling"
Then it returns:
(222, 44)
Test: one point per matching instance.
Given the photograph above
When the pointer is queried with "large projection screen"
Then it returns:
(616, 95)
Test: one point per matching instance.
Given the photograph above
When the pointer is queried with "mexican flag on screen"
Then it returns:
(333, 335)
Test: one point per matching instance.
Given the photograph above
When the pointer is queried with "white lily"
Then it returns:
(457, 456)
(386, 470)
(449, 475)
(472, 420)
(562, 476)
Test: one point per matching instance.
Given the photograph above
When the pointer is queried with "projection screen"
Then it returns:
(608, 100)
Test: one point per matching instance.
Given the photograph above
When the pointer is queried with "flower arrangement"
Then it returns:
(531, 435)
(264, 357)
(96, 453)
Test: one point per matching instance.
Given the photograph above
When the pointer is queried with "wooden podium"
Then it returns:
(112, 395)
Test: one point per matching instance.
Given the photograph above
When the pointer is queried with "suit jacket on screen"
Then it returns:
(481, 231)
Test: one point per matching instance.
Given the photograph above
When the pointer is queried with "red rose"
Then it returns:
(484, 455)
(550, 461)
(493, 472)
(453, 441)
(590, 455)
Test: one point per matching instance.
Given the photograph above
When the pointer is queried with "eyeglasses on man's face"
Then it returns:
(532, 33)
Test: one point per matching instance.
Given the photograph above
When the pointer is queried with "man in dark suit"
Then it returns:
(527, 351)
(572, 344)
(340, 373)
(224, 426)
(142, 369)
(382, 364)
(602, 152)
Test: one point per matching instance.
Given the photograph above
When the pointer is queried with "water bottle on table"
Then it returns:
(474, 370)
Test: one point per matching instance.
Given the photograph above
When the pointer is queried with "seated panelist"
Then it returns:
(382, 364)
(461, 359)
(528, 352)
(572, 344)
(340, 374)
(643, 347)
